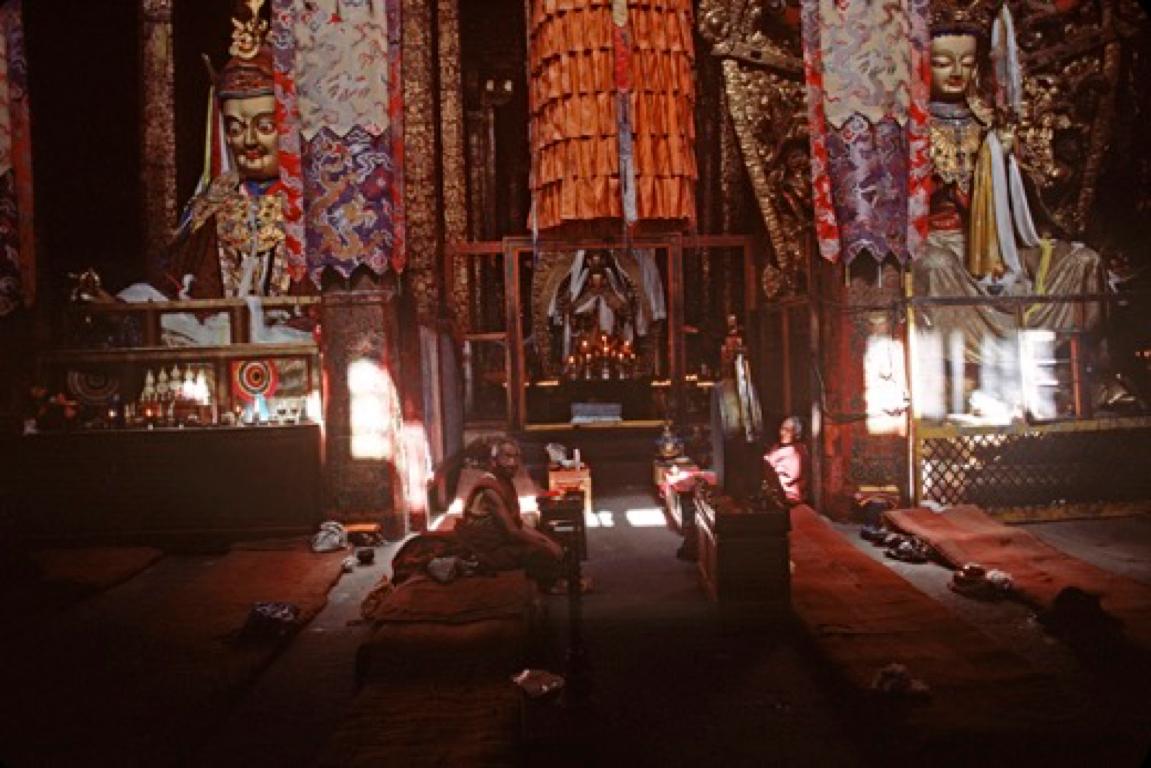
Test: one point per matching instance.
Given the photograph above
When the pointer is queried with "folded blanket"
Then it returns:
(507, 594)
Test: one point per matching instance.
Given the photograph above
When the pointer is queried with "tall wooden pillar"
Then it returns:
(158, 133)
(421, 204)
(857, 445)
(361, 328)
(453, 162)
(424, 240)
(447, 442)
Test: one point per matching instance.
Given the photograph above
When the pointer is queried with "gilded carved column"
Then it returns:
(420, 157)
(158, 122)
(419, 346)
(453, 151)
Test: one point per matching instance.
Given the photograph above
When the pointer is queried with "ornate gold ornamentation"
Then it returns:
(248, 34)
(1071, 61)
(421, 209)
(762, 70)
(955, 148)
(234, 223)
(963, 15)
(768, 115)
(773, 284)
(452, 149)
(158, 126)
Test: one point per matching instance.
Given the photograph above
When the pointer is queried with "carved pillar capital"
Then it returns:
(156, 10)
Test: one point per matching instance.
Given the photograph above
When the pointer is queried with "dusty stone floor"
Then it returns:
(664, 685)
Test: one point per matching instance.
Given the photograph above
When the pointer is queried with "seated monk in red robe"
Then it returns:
(493, 529)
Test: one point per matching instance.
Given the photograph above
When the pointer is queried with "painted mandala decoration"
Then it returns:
(252, 378)
(94, 388)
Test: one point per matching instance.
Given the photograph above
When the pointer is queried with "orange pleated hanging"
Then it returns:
(579, 73)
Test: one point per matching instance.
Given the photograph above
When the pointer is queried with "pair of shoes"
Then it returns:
(560, 586)
(975, 581)
(909, 550)
(876, 534)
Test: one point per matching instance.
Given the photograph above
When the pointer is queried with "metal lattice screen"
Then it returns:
(1037, 467)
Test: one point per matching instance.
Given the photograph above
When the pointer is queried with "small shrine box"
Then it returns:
(575, 478)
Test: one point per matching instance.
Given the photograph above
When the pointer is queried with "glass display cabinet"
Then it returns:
(186, 419)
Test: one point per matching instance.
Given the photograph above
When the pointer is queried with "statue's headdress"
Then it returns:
(962, 17)
(990, 21)
(249, 71)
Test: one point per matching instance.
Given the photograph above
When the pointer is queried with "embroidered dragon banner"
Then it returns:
(339, 113)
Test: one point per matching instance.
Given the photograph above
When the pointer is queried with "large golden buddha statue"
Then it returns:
(983, 239)
(231, 238)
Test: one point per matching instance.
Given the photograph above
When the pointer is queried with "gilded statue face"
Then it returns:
(952, 66)
(250, 124)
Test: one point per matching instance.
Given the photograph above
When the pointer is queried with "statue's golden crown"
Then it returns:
(249, 71)
(248, 34)
(972, 17)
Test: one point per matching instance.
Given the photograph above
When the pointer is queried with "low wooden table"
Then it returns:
(578, 478)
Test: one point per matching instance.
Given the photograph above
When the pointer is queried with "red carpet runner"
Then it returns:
(1039, 571)
(862, 616)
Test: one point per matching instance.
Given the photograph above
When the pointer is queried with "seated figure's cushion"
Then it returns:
(474, 624)
(504, 594)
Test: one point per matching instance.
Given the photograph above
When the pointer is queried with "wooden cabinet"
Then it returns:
(743, 559)
(86, 376)
(155, 484)
(112, 350)
(210, 478)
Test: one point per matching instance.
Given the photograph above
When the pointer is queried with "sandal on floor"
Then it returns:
(891, 539)
(560, 586)
(908, 551)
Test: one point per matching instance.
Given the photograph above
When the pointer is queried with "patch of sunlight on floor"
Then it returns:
(599, 520)
(648, 517)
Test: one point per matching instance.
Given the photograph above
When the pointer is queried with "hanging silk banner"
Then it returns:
(17, 257)
(621, 47)
(339, 108)
(868, 75)
(612, 102)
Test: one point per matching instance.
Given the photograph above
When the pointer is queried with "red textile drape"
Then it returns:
(17, 253)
